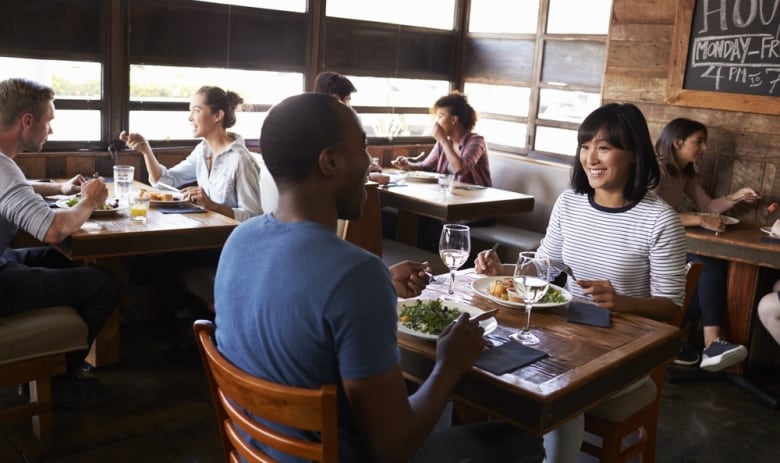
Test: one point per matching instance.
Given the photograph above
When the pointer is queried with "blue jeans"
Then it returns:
(34, 278)
(487, 442)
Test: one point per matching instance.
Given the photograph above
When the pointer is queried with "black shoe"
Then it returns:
(74, 391)
(23, 390)
(687, 356)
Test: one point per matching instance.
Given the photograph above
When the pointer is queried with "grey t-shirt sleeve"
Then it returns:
(19, 204)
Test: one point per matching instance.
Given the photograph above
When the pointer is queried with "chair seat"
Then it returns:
(625, 404)
(41, 332)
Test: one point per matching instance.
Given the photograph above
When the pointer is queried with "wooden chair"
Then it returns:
(33, 345)
(237, 394)
(613, 430)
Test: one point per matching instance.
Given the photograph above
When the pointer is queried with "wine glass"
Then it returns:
(532, 278)
(454, 249)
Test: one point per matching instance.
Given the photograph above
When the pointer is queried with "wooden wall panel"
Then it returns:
(744, 147)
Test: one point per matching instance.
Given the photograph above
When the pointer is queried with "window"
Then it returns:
(167, 90)
(376, 94)
(437, 14)
(536, 74)
(77, 91)
(298, 6)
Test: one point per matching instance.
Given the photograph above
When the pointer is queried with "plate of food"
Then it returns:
(112, 206)
(501, 289)
(162, 198)
(422, 176)
(426, 318)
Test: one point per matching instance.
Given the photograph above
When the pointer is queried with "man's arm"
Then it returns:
(68, 221)
(394, 424)
(70, 187)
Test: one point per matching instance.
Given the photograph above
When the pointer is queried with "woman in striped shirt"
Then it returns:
(626, 245)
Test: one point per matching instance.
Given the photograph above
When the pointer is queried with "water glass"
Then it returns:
(139, 208)
(445, 183)
(123, 180)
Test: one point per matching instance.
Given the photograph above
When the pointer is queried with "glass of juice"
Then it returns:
(139, 208)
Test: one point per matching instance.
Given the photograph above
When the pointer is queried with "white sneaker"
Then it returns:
(721, 354)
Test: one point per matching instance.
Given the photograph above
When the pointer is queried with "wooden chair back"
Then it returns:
(237, 394)
(645, 421)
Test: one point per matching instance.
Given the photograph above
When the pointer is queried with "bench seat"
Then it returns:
(521, 232)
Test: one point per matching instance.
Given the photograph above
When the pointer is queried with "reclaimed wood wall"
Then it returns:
(743, 148)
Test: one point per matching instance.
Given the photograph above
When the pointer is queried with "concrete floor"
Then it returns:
(162, 413)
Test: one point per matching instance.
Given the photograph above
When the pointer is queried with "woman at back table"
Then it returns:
(458, 150)
(227, 177)
(625, 245)
(679, 147)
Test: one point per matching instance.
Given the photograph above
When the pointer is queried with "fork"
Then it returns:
(565, 269)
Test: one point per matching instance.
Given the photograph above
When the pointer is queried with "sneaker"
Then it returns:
(687, 356)
(721, 354)
(75, 391)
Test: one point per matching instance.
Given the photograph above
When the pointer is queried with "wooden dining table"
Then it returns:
(108, 236)
(422, 197)
(742, 246)
(586, 364)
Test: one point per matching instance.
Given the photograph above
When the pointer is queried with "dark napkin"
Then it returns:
(508, 357)
(770, 239)
(587, 314)
(181, 209)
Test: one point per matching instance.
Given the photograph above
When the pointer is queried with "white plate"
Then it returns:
(726, 219)
(63, 204)
(177, 199)
(768, 231)
(488, 325)
(482, 287)
(422, 176)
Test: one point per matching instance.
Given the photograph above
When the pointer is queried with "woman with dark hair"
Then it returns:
(626, 245)
(458, 150)
(679, 148)
(333, 83)
(227, 182)
(227, 177)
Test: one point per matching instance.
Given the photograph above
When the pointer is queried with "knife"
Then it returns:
(484, 315)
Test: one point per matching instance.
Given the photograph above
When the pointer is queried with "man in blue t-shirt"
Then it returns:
(299, 306)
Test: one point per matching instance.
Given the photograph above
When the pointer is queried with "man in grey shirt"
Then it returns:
(33, 278)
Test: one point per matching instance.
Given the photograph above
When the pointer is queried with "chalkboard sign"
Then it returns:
(734, 47)
(726, 55)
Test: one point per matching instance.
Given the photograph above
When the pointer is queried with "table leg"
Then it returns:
(741, 304)
(105, 348)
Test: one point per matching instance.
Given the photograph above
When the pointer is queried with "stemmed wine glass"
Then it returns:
(454, 249)
(532, 278)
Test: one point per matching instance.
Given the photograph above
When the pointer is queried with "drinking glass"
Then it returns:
(139, 208)
(532, 278)
(454, 249)
(123, 181)
(445, 183)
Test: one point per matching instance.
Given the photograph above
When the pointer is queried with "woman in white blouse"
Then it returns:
(227, 177)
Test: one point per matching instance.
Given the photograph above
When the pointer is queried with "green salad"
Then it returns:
(429, 317)
(553, 295)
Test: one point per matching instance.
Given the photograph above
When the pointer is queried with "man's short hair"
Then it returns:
(334, 83)
(19, 96)
(296, 130)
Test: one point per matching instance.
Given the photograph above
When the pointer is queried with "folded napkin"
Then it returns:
(184, 209)
(508, 357)
(770, 239)
(587, 314)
